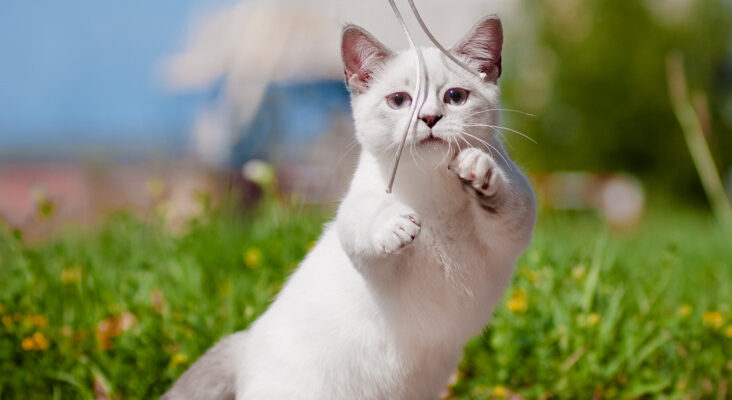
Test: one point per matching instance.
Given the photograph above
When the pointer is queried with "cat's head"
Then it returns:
(458, 106)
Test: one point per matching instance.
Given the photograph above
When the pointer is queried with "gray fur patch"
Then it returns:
(211, 377)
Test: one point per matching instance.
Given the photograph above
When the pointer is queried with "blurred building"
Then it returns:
(97, 98)
(256, 50)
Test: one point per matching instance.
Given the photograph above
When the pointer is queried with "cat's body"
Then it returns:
(382, 305)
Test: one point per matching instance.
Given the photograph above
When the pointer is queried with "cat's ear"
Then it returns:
(362, 56)
(483, 45)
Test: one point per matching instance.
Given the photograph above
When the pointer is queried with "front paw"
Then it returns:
(397, 228)
(478, 169)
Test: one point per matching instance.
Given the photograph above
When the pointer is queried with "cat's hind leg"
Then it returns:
(213, 376)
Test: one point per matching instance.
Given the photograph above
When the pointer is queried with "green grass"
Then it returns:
(639, 314)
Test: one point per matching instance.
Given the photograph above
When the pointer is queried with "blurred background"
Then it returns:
(114, 105)
(165, 165)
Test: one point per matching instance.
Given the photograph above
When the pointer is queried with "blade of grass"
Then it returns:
(647, 349)
(74, 382)
(593, 277)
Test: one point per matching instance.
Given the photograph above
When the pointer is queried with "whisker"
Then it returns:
(490, 146)
(414, 147)
(350, 147)
(387, 149)
(503, 127)
(411, 152)
(503, 137)
(502, 109)
(449, 150)
(469, 146)
(474, 137)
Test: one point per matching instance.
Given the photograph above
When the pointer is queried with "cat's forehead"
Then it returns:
(402, 68)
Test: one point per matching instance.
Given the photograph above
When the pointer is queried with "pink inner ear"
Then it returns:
(361, 55)
(351, 58)
(484, 45)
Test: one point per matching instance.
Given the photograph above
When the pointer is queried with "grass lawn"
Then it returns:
(122, 310)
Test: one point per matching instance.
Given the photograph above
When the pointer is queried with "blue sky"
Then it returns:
(81, 73)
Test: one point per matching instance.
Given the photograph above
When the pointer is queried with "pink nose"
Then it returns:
(431, 120)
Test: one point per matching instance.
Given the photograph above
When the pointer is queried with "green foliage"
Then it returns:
(125, 310)
(596, 80)
(641, 314)
(184, 293)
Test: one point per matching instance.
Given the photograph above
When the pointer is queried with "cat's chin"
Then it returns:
(432, 152)
(434, 148)
(432, 141)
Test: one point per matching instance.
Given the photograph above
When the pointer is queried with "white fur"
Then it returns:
(382, 305)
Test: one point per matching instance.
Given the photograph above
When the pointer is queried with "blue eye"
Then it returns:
(456, 96)
(399, 100)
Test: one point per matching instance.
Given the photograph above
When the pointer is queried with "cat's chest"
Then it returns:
(448, 244)
(446, 280)
(453, 253)
(452, 232)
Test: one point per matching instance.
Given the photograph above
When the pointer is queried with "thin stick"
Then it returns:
(418, 101)
(694, 135)
(437, 44)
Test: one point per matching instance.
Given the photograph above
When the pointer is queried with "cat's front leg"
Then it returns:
(504, 200)
(395, 228)
(481, 176)
(375, 226)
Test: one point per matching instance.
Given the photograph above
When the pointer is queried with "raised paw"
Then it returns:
(477, 169)
(397, 230)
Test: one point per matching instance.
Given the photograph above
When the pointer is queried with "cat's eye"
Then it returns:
(456, 96)
(399, 100)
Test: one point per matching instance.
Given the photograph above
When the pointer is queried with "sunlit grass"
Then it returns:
(124, 309)
(612, 315)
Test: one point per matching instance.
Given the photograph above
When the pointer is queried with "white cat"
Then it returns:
(382, 305)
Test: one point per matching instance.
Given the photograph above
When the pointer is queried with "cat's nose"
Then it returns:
(431, 120)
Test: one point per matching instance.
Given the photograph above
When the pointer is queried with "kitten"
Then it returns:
(382, 305)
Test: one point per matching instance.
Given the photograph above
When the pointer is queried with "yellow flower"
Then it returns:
(40, 341)
(684, 310)
(578, 272)
(71, 275)
(178, 358)
(500, 391)
(252, 257)
(7, 320)
(517, 302)
(593, 319)
(27, 344)
(713, 319)
(728, 331)
(35, 342)
(39, 320)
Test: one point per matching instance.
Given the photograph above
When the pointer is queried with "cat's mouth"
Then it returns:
(432, 139)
